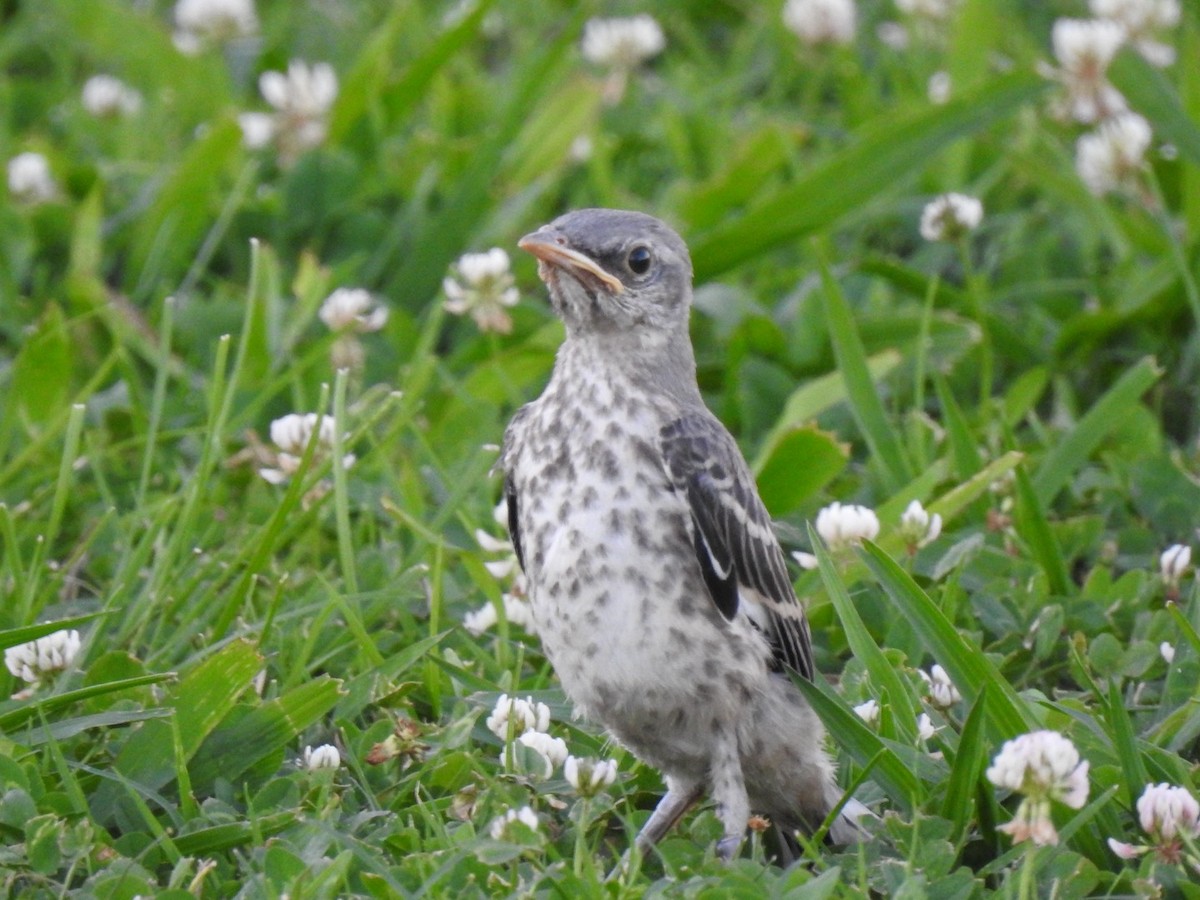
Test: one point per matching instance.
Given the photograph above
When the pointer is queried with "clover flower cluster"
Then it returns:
(1111, 158)
(523, 723)
(302, 98)
(843, 525)
(817, 22)
(34, 661)
(203, 23)
(950, 217)
(291, 434)
(517, 609)
(30, 180)
(105, 96)
(942, 696)
(326, 756)
(348, 313)
(1042, 766)
(1170, 817)
(481, 285)
(1173, 565)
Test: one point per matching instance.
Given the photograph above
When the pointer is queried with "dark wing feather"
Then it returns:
(514, 526)
(508, 452)
(736, 547)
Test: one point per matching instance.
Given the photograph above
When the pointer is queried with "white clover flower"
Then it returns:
(950, 217)
(302, 98)
(1112, 156)
(517, 611)
(481, 284)
(291, 435)
(200, 22)
(502, 827)
(1140, 20)
(1043, 766)
(526, 715)
(35, 660)
(581, 149)
(589, 777)
(104, 96)
(868, 712)
(918, 527)
(1170, 816)
(1166, 811)
(551, 751)
(938, 88)
(842, 525)
(1174, 563)
(29, 179)
(925, 729)
(1084, 49)
(804, 560)
(942, 692)
(480, 620)
(818, 22)
(622, 43)
(353, 309)
(324, 757)
(1167, 651)
(258, 129)
(935, 10)
(892, 34)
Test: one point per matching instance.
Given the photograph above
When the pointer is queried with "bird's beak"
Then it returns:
(551, 251)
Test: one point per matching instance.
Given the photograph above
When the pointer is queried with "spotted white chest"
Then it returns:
(616, 589)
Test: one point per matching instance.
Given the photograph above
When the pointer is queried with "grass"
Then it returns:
(1034, 384)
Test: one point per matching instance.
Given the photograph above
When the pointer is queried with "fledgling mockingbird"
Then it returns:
(658, 587)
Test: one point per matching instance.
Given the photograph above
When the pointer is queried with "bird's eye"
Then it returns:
(639, 260)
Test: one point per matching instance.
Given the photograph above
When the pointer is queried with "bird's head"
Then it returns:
(614, 271)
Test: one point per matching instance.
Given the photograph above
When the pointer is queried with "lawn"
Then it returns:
(263, 321)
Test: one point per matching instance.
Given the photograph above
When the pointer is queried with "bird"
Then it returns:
(658, 588)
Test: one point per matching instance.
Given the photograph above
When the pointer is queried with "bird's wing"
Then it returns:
(508, 450)
(738, 553)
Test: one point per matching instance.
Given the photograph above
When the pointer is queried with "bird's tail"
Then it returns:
(848, 828)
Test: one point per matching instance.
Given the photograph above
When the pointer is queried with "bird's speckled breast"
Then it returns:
(619, 599)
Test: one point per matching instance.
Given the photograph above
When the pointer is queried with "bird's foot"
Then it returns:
(727, 847)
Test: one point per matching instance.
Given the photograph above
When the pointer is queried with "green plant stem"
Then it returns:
(976, 292)
(1026, 889)
(581, 850)
(1178, 253)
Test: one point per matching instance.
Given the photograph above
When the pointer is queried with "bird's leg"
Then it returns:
(679, 798)
(729, 791)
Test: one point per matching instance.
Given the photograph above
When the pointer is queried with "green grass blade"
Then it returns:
(969, 760)
(16, 718)
(964, 450)
(200, 701)
(1069, 454)
(1125, 742)
(863, 744)
(1034, 528)
(883, 440)
(1151, 94)
(10, 637)
(234, 834)
(68, 728)
(232, 750)
(883, 154)
(882, 673)
(951, 504)
(969, 669)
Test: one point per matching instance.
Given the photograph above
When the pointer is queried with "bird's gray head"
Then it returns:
(612, 271)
